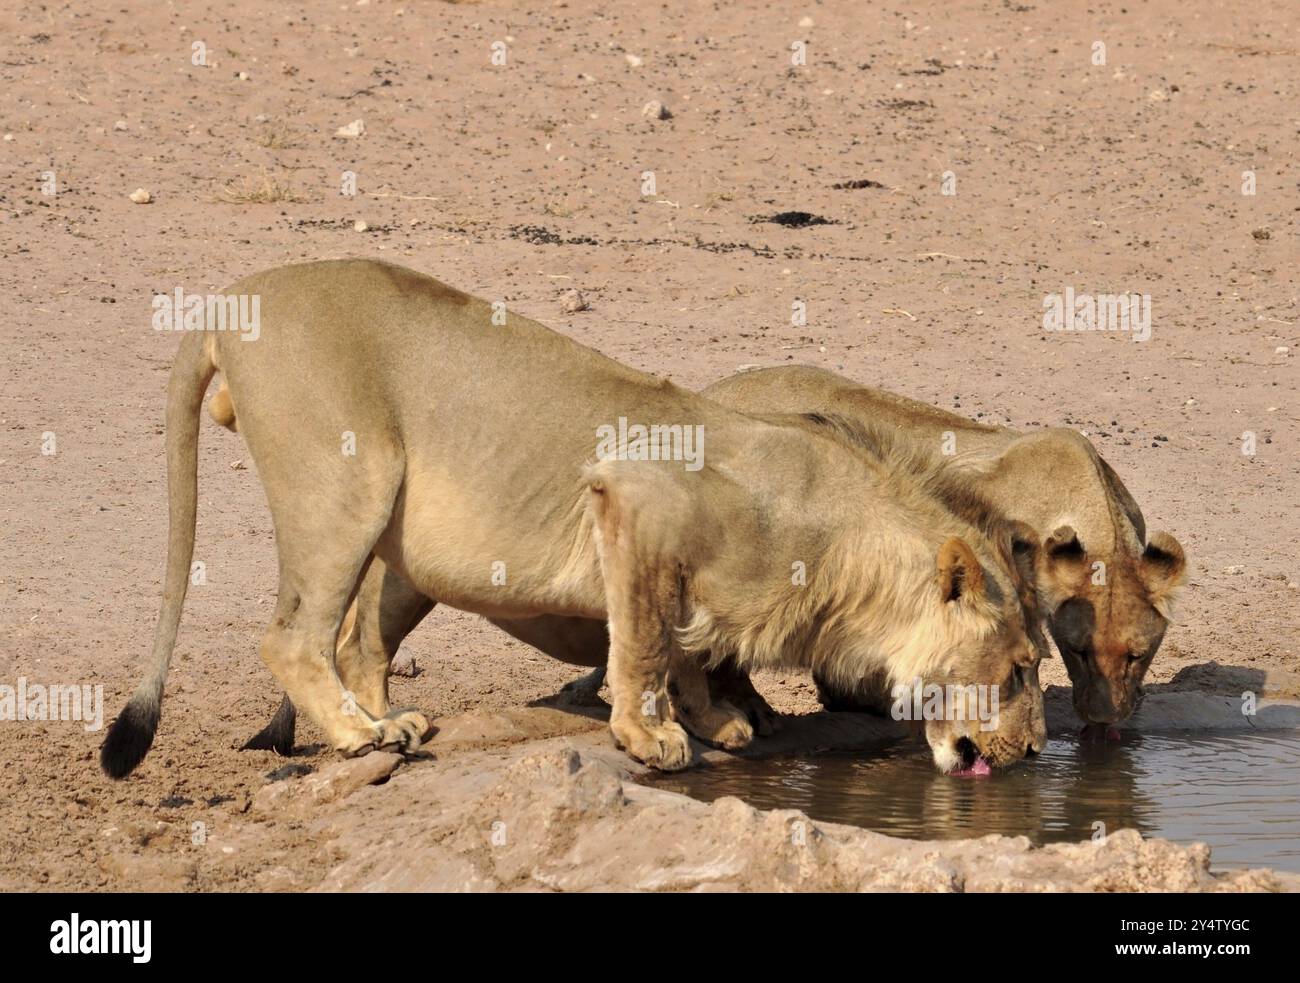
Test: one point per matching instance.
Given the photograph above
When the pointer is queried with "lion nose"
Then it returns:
(1031, 751)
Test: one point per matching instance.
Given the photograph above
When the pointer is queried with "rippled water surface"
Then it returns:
(1239, 793)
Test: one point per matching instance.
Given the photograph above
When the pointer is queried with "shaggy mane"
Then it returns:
(877, 582)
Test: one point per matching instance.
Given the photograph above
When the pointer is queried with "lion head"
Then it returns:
(988, 686)
(1108, 618)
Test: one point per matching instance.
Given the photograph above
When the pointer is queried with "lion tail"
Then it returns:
(132, 733)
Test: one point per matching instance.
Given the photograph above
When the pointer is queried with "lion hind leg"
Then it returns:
(277, 735)
(388, 609)
(584, 691)
(385, 610)
(324, 541)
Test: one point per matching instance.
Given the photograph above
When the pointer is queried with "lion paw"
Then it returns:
(764, 719)
(665, 747)
(402, 730)
(399, 730)
(721, 725)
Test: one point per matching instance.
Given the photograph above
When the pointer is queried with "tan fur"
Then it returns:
(458, 473)
(1053, 480)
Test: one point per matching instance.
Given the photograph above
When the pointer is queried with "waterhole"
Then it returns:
(1239, 793)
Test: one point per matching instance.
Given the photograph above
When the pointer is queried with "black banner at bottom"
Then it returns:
(140, 932)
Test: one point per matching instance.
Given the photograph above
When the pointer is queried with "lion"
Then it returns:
(1106, 590)
(389, 416)
(1107, 593)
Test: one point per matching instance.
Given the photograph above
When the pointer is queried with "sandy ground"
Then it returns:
(519, 182)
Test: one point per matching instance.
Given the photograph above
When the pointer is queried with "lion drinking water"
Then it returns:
(389, 417)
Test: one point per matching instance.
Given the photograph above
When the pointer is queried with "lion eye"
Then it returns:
(1134, 657)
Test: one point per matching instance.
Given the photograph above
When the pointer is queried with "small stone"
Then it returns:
(352, 130)
(805, 22)
(656, 110)
(1262, 234)
(360, 226)
(120, 125)
(634, 61)
(1234, 570)
(403, 664)
(238, 466)
(1281, 350)
(571, 302)
(243, 76)
(141, 197)
(8, 137)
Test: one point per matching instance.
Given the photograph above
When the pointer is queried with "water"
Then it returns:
(1239, 793)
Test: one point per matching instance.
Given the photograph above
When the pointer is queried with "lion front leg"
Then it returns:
(728, 683)
(720, 723)
(642, 598)
(639, 656)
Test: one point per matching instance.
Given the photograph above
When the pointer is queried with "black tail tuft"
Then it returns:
(276, 736)
(130, 737)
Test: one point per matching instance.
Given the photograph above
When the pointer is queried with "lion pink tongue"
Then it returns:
(980, 767)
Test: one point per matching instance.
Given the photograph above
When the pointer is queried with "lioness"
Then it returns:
(388, 415)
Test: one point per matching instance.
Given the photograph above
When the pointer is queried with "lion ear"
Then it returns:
(959, 571)
(1163, 569)
(1025, 548)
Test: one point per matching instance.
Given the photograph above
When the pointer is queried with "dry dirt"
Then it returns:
(523, 181)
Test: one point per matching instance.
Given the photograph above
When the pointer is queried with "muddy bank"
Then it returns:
(501, 805)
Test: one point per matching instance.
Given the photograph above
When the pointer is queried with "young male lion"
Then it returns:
(389, 415)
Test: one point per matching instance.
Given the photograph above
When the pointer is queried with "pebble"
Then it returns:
(571, 302)
(656, 110)
(403, 664)
(634, 61)
(120, 125)
(141, 197)
(352, 130)
(360, 226)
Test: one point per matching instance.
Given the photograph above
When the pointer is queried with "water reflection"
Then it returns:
(1240, 793)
